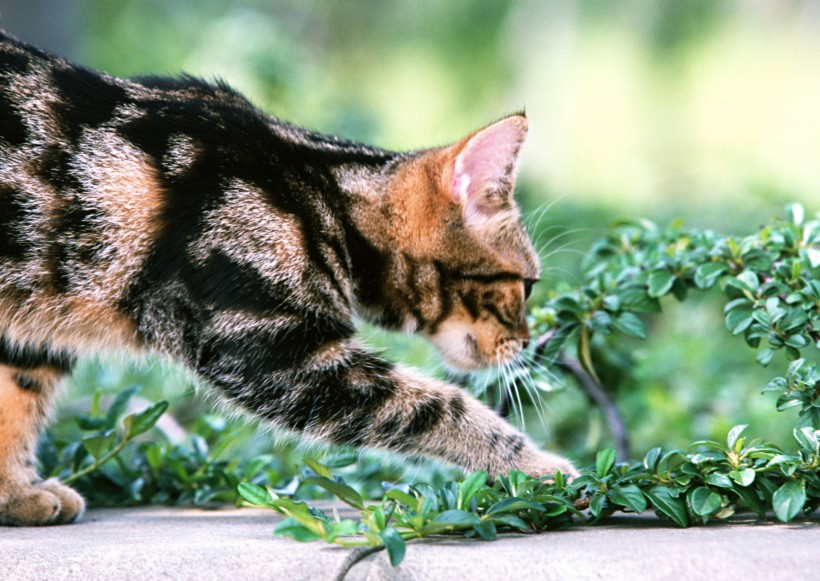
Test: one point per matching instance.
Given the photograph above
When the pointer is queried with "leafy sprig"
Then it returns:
(714, 481)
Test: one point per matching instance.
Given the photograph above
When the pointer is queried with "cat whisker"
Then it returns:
(561, 234)
(533, 220)
(533, 392)
(512, 392)
(542, 247)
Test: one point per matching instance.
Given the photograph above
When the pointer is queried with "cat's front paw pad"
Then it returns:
(43, 503)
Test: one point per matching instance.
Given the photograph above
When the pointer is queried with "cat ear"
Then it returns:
(484, 169)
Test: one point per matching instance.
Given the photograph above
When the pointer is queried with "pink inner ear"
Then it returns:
(488, 159)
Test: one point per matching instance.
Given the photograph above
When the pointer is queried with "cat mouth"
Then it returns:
(465, 355)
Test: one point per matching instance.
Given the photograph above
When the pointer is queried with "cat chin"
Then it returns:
(459, 349)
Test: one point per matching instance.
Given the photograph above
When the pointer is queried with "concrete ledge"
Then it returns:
(174, 543)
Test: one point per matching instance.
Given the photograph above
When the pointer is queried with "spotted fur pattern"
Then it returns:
(171, 216)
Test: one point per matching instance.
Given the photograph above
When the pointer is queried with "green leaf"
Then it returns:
(254, 494)
(339, 460)
(469, 486)
(342, 491)
(630, 324)
(719, 480)
(486, 530)
(807, 437)
(738, 320)
(604, 461)
(788, 500)
(402, 497)
(796, 213)
(585, 353)
(650, 461)
(342, 528)
(628, 495)
(636, 299)
(514, 504)
(751, 500)
(707, 274)
(318, 468)
(749, 280)
(455, 517)
(293, 529)
(512, 521)
(813, 255)
(395, 545)
(98, 444)
(765, 356)
(660, 282)
(597, 504)
(734, 434)
(743, 477)
(119, 404)
(667, 504)
(704, 502)
(136, 424)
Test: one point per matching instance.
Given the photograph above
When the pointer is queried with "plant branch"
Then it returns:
(612, 414)
(596, 393)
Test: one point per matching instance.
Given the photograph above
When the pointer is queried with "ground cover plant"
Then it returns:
(770, 283)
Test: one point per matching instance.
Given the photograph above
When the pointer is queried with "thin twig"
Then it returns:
(612, 415)
(596, 393)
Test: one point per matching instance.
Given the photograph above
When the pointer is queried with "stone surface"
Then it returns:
(174, 543)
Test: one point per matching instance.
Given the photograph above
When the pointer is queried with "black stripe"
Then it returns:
(74, 243)
(223, 283)
(424, 418)
(87, 100)
(12, 128)
(34, 356)
(27, 383)
(341, 401)
(457, 409)
(54, 167)
(513, 444)
(488, 278)
(400, 429)
(259, 353)
(444, 282)
(13, 243)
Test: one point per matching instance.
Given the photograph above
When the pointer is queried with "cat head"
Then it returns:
(462, 262)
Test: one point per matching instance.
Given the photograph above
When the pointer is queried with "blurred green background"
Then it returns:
(706, 110)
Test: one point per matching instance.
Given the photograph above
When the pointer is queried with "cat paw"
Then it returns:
(72, 505)
(538, 464)
(44, 503)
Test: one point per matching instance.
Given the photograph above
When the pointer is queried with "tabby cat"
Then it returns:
(168, 215)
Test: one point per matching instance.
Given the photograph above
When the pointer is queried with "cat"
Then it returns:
(170, 216)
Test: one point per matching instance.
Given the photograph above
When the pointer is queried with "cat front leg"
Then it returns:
(26, 499)
(342, 393)
(441, 420)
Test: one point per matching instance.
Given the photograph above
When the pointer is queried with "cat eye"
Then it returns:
(528, 282)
